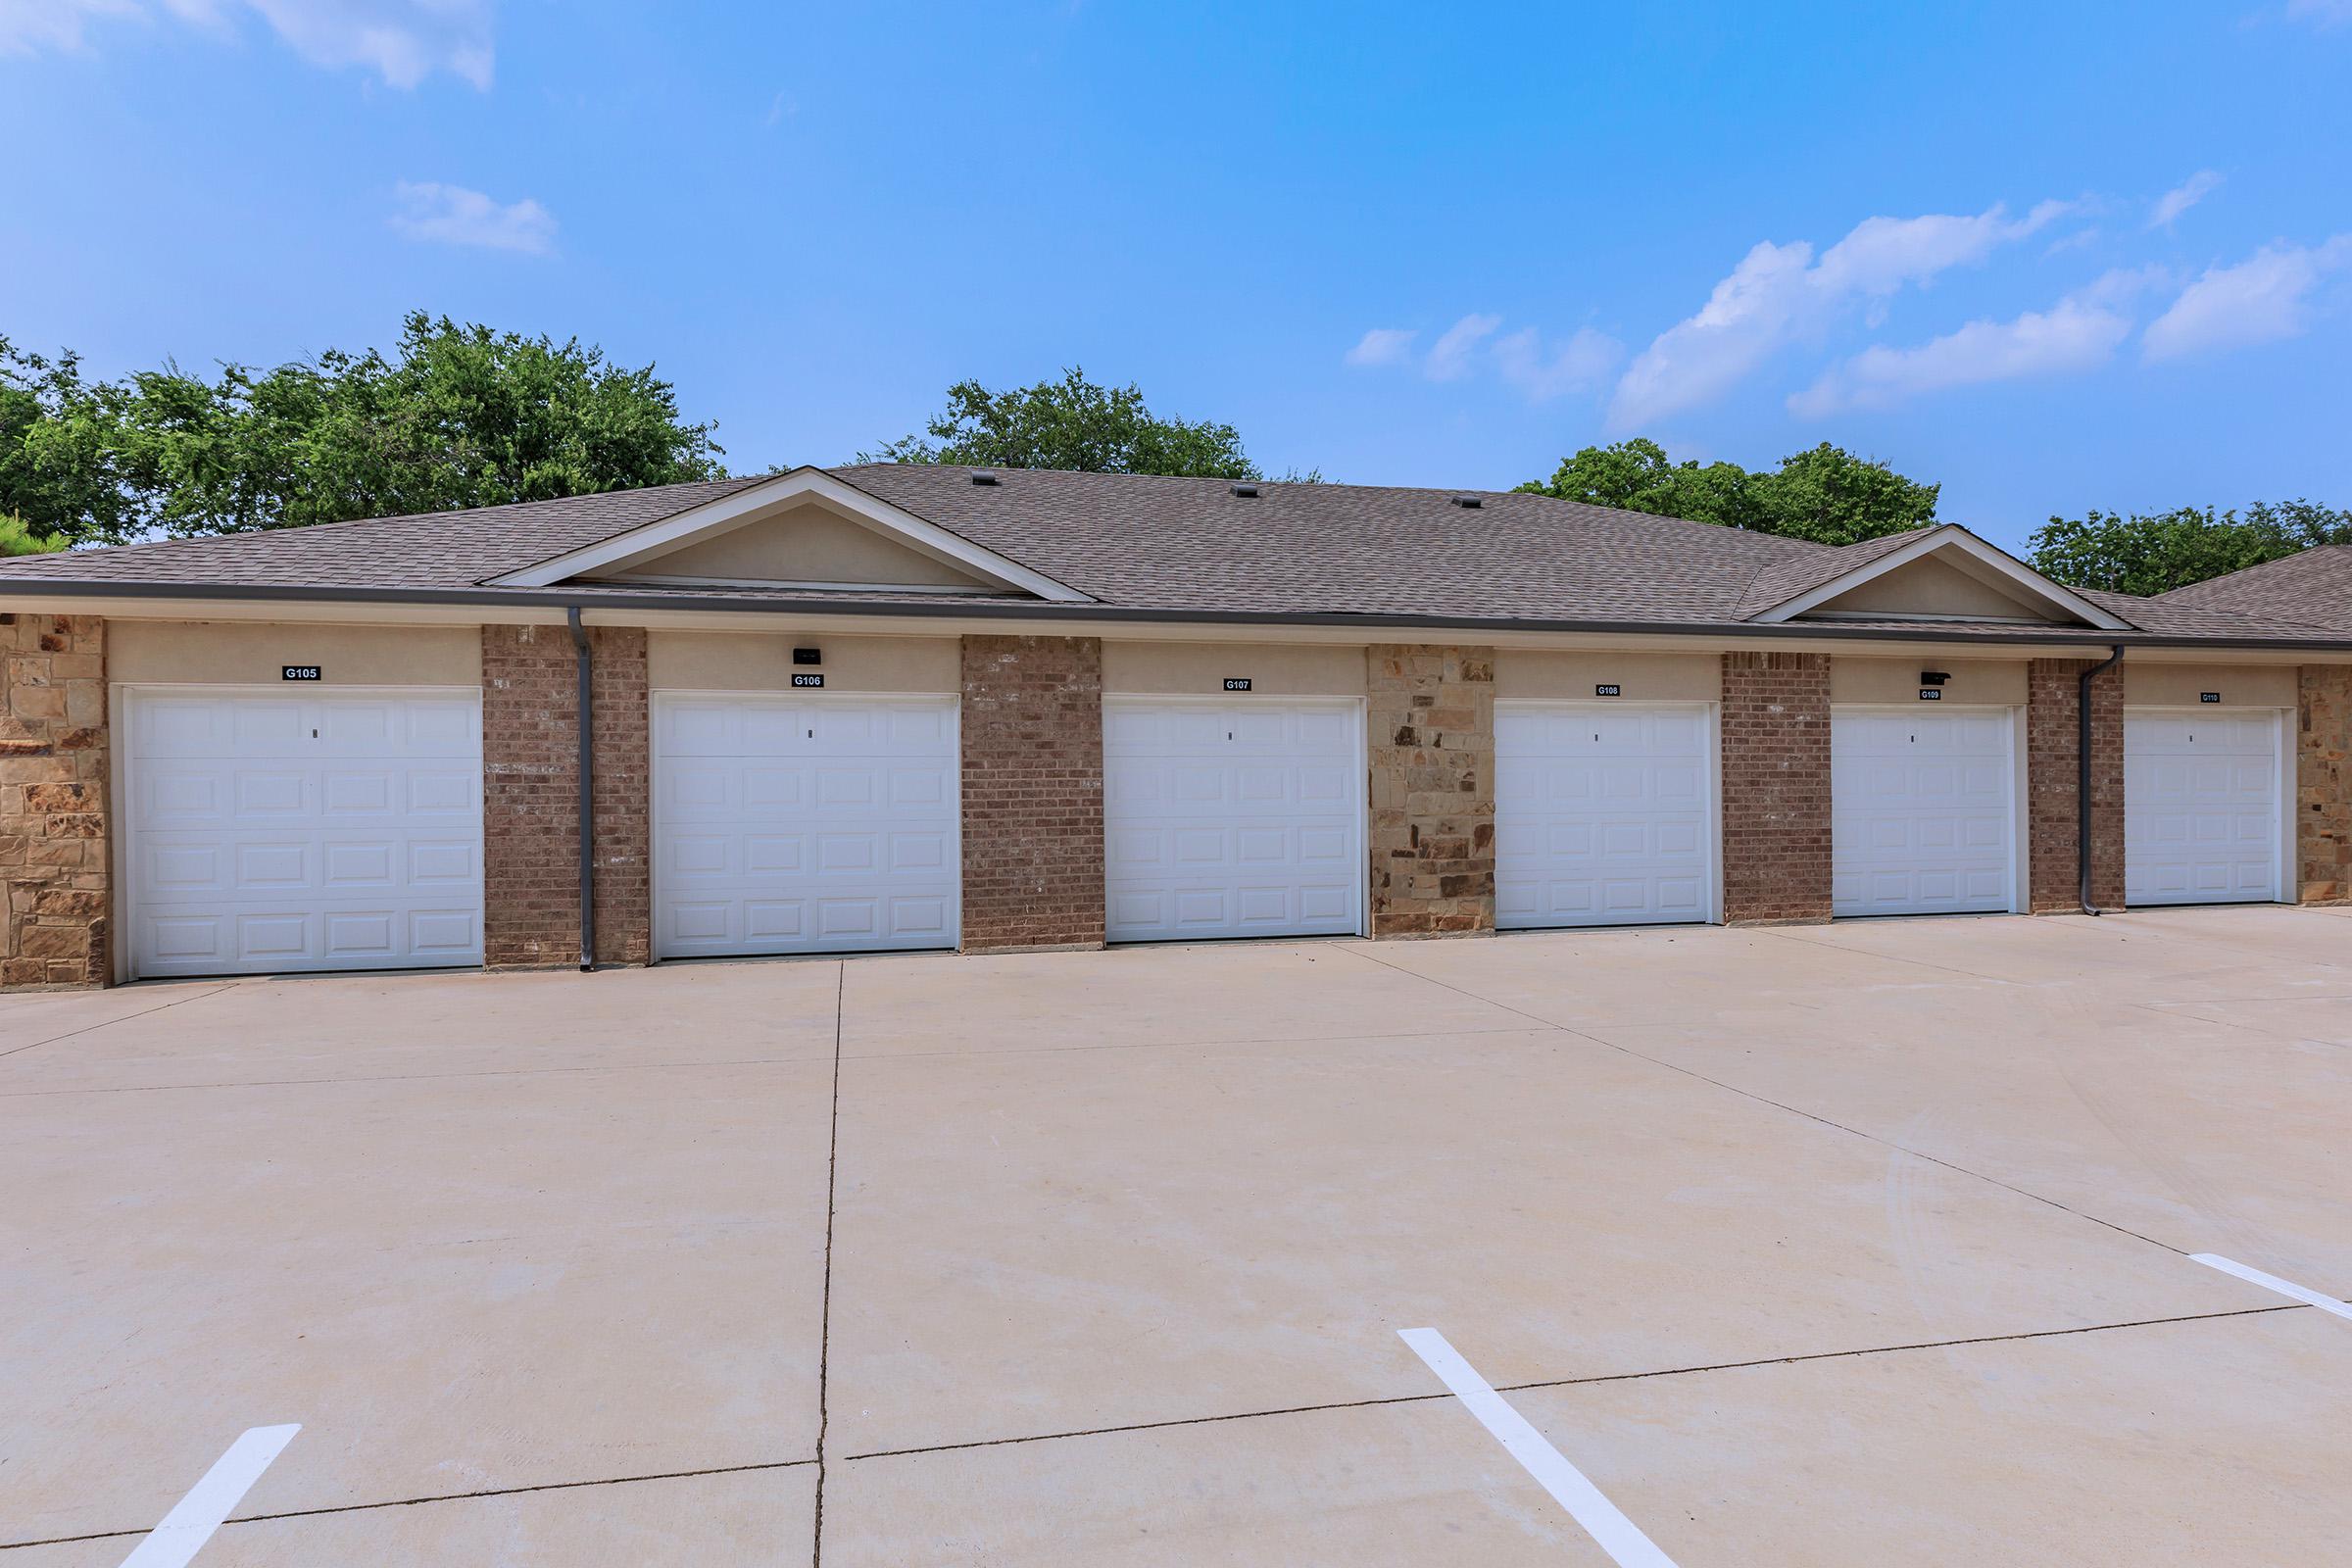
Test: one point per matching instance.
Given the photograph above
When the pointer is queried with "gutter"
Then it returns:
(2083, 775)
(586, 679)
(1030, 610)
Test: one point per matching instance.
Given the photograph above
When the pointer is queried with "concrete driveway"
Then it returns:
(1848, 1245)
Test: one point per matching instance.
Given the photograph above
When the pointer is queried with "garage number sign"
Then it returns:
(303, 673)
(1236, 683)
(1608, 689)
(1931, 694)
(800, 679)
(2209, 697)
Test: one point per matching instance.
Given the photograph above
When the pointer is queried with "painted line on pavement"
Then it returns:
(191, 1523)
(1617, 1535)
(2272, 1282)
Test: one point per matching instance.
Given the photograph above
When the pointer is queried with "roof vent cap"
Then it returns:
(1247, 492)
(984, 478)
(1469, 502)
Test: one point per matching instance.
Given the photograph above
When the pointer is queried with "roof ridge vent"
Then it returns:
(1467, 502)
(984, 476)
(1247, 492)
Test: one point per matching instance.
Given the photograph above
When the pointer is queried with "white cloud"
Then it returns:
(404, 41)
(1762, 305)
(1450, 357)
(1539, 369)
(27, 26)
(1383, 345)
(2263, 299)
(1883, 254)
(2080, 332)
(452, 215)
(1584, 360)
(2181, 198)
(1779, 293)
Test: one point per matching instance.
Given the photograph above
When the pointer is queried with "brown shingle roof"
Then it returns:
(1129, 542)
(2314, 587)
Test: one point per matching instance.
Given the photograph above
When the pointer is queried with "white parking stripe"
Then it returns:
(1617, 1535)
(2272, 1282)
(189, 1525)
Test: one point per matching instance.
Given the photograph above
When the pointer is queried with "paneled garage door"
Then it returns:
(1921, 811)
(274, 832)
(1601, 814)
(802, 824)
(2201, 802)
(1233, 818)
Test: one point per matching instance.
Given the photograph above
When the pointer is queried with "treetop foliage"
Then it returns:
(456, 416)
(1825, 494)
(2153, 554)
(1070, 423)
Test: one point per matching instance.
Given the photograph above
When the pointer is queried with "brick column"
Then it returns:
(2053, 740)
(56, 885)
(1432, 743)
(1032, 793)
(2323, 784)
(1775, 788)
(530, 796)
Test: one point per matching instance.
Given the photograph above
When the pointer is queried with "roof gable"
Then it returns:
(805, 529)
(1944, 574)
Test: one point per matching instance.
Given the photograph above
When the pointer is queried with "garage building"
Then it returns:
(886, 707)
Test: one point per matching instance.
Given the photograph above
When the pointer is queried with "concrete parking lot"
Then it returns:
(1849, 1245)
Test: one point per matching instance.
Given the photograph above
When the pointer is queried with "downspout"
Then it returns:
(2082, 774)
(586, 676)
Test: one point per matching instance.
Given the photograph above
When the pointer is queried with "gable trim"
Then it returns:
(714, 518)
(1988, 562)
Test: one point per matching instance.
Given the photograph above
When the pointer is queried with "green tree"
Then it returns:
(1834, 498)
(457, 415)
(16, 539)
(1825, 494)
(1070, 423)
(59, 447)
(2141, 553)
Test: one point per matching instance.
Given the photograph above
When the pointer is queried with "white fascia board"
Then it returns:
(728, 512)
(1981, 559)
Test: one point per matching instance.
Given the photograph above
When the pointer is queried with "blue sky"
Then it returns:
(2056, 257)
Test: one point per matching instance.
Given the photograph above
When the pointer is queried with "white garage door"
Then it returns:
(2202, 794)
(1601, 814)
(1233, 818)
(803, 825)
(1921, 812)
(274, 832)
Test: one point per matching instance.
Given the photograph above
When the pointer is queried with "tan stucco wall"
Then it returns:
(1523, 675)
(2178, 685)
(1931, 587)
(809, 543)
(249, 653)
(1981, 682)
(1201, 670)
(758, 661)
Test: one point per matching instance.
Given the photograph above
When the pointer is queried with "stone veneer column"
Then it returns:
(1032, 794)
(1432, 745)
(530, 796)
(56, 886)
(2323, 784)
(2053, 742)
(1775, 788)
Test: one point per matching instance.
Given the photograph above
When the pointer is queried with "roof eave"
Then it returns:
(1093, 612)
